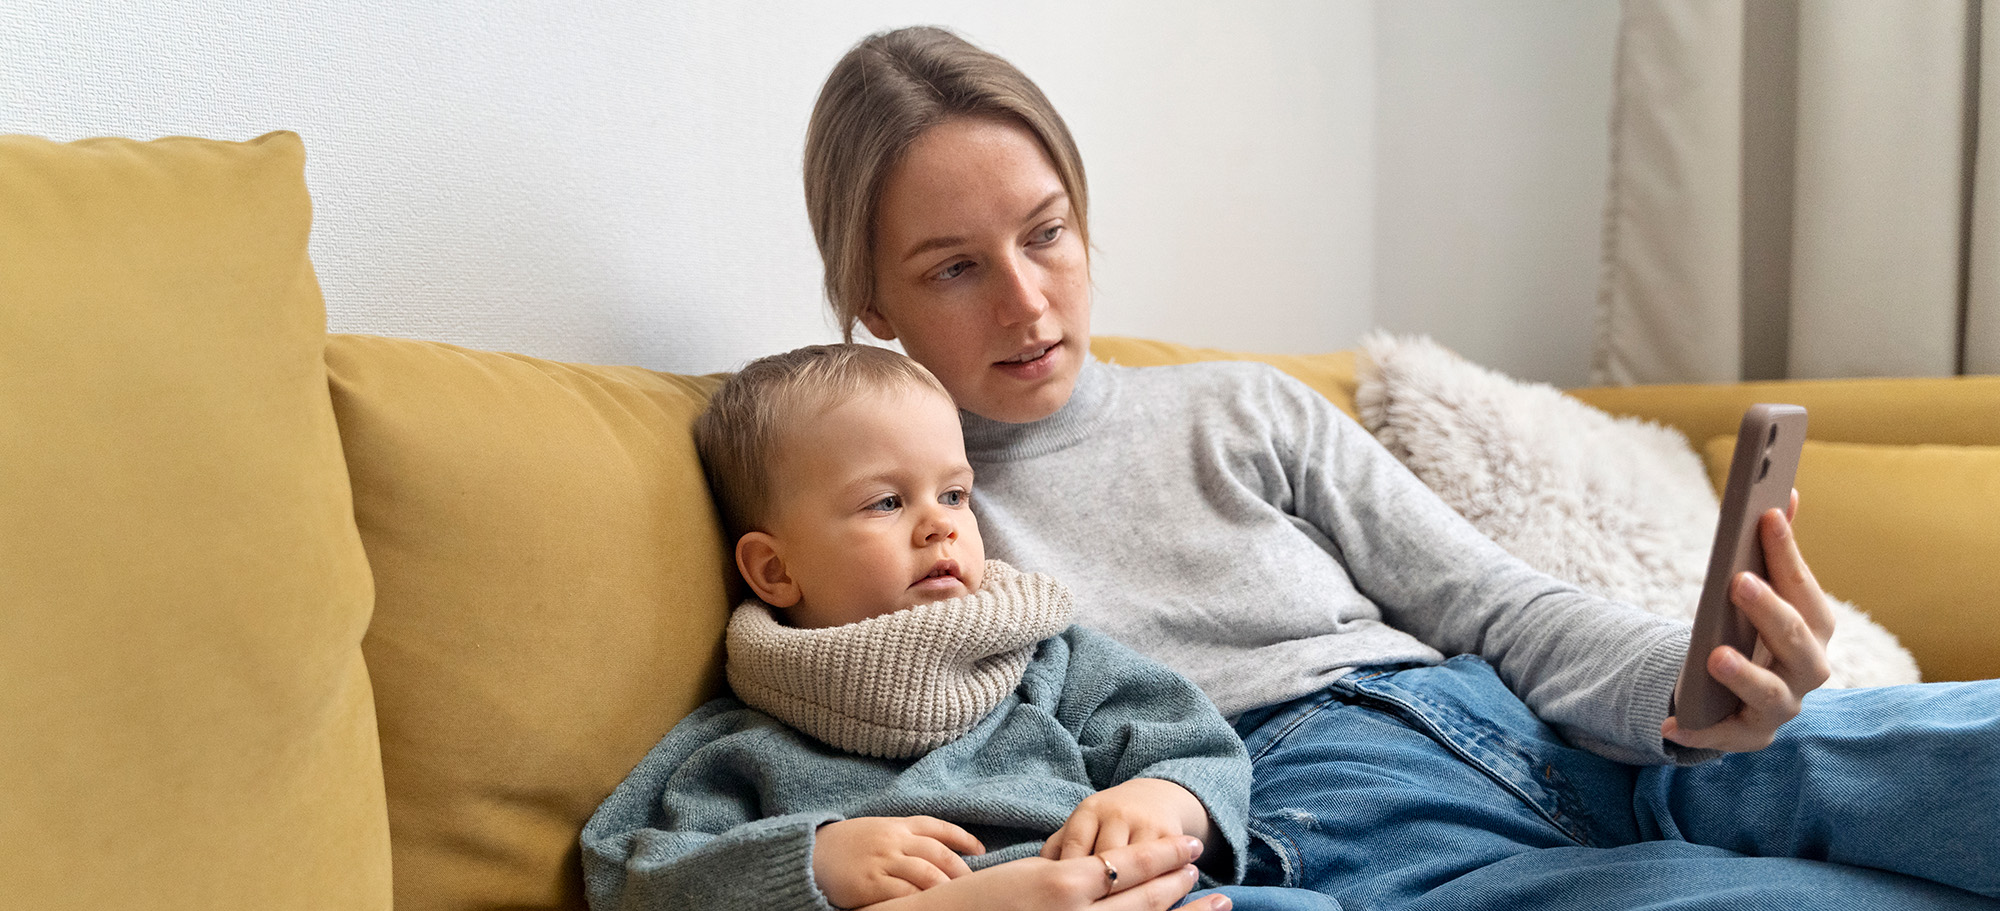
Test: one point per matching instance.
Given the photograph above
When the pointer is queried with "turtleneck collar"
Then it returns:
(1089, 403)
(904, 683)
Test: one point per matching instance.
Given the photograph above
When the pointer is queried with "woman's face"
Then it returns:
(979, 269)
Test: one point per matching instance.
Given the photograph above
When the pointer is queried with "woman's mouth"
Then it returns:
(1031, 363)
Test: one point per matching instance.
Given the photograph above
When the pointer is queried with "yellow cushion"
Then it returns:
(1962, 410)
(1909, 534)
(185, 717)
(1331, 373)
(550, 597)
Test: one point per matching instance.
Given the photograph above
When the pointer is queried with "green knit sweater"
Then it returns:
(722, 813)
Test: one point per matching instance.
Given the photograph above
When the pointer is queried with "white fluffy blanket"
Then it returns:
(1615, 506)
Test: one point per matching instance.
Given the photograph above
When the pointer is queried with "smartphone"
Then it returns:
(1760, 479)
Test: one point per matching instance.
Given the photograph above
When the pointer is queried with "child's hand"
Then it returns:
(1138, 810)
(876, 858)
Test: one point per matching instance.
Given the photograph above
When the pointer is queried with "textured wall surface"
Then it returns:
(618, 181)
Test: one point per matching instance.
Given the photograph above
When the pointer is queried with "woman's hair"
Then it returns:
(879, 98)
(741, 433)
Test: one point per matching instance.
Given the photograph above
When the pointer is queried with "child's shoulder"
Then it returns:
(1080, 656)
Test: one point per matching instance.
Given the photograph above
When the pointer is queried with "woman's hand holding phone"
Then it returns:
(1793, 624)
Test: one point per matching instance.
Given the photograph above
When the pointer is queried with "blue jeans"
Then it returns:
(1436, 787)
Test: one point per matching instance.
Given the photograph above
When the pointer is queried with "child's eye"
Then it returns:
(890, 503)
(954, 497)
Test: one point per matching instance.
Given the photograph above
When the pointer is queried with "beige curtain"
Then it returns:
(1802, 188)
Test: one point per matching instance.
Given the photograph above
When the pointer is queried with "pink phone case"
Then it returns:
(1760, 479)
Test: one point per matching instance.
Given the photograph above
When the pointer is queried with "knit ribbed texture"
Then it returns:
(1228, 521)
(901, 684)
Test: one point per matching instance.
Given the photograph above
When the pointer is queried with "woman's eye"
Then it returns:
(955, 269)
(1049, 234)
(889, 503)
(953, 497)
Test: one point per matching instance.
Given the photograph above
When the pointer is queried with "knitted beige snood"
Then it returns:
(902, 684)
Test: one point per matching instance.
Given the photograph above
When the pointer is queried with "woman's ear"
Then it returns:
(758, 560)
(879, 326)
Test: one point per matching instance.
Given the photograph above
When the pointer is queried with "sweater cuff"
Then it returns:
(770, 867)
(1227, 815)
(1659, 672)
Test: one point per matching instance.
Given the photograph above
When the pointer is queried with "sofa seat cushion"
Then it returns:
(185, 716)
(550, 599)
(1910, 532)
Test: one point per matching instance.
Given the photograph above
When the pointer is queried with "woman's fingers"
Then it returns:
(1151, 874)
(1156, 894)
(1754, 724)
(1771, 695)
(1790, 575)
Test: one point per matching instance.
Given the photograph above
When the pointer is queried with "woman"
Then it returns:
(1231, 523)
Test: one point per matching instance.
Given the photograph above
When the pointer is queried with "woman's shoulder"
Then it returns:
(1241, 391)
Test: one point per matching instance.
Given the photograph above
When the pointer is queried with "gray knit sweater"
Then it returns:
(722, 813)
(1227, 520)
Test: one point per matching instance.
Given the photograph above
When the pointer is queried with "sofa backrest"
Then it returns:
(550, 591)
(185, 719)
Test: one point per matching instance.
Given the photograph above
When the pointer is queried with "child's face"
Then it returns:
(872, 512)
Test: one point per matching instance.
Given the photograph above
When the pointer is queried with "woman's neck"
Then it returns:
(989, 440)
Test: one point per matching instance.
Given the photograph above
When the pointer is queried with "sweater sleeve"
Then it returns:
(1600, 671)
(1135, 718)
(678, 835)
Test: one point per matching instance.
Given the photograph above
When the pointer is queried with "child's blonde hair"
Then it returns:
(879, 98)
(741, 431)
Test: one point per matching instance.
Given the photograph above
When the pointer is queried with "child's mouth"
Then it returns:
(943, 574)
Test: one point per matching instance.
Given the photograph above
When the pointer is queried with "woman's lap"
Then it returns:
(1433, 786)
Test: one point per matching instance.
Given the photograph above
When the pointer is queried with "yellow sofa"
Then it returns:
(291, 620)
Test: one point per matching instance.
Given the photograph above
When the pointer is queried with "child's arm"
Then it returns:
(1162, 758)
(683, 829)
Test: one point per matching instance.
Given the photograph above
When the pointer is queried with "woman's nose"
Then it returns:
(1018, 294)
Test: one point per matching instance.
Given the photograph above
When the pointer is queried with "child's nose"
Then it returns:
(935, 526)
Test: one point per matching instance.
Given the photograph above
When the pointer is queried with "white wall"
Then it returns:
(618, 181)
(1494, 152)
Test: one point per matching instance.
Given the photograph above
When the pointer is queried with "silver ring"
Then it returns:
(1110, 873)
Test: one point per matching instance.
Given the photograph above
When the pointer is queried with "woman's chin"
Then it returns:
(1021, 403)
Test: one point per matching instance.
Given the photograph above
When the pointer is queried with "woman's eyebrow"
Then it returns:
(939, 243)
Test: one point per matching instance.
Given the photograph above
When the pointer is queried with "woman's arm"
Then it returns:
(1601, 671)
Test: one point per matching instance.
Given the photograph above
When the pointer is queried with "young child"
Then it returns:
(904, 711)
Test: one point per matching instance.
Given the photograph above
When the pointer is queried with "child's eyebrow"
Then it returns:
(893, 477)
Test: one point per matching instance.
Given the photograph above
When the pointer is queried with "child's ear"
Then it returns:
(872, 318)
(758, 560)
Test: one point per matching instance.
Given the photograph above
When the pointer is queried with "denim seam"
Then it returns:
(1414, 707)
(1325, 697)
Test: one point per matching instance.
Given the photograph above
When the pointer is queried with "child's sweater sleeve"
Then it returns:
(673, 836)
(1135, 718)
